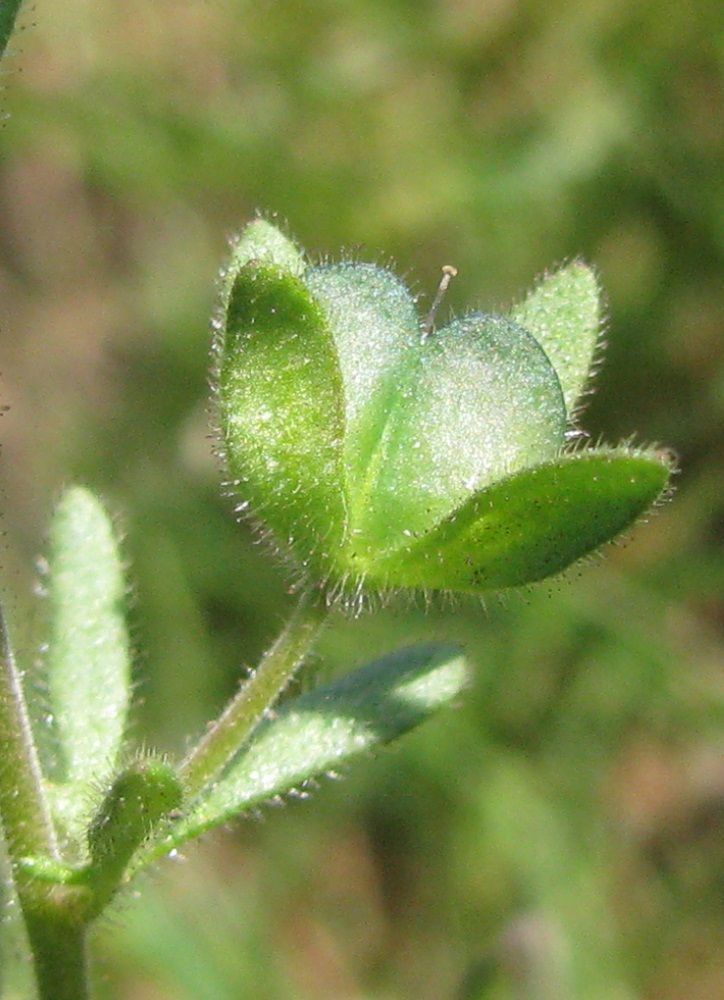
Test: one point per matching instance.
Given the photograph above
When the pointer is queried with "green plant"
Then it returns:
(335, 407)
(382, 455)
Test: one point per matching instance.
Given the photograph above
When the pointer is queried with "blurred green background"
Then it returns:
(560, 834)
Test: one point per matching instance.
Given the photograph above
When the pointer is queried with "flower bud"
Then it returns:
(383, 454)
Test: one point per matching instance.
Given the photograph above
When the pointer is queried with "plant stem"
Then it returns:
(258, 693)
(59, 955)
(23, 807)
(56, 935)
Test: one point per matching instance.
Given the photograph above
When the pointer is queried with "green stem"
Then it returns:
(56, 934)
(258, 693)
(59, 955)
(8, 13)
(23, 807)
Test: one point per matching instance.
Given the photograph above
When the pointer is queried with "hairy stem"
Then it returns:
(56, 933)
(23, 807)
(257, 694)
(59, 956)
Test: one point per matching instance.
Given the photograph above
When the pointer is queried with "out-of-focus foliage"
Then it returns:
(562, 831)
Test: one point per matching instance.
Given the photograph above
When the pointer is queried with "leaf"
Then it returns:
(327, 727)
(536, 523)
(563, 314)
(88, 660)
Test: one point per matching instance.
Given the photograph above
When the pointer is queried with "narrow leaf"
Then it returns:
(327, 727)
(88, 661)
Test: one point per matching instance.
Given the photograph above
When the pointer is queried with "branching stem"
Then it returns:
(55, 933)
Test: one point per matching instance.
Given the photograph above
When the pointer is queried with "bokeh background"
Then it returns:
(559, 835)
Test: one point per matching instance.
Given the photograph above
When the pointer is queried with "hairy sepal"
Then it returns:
(281, 411)
(534, 524)
(563, 313)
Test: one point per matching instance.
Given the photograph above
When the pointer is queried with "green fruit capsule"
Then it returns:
(382, 454)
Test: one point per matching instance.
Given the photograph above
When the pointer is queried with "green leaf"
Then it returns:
(535, 523)
(281, 409)
(327, 727)
(474, 402)
(88, 660)
(563, 314)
